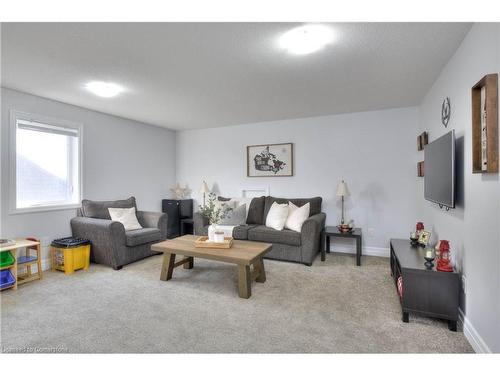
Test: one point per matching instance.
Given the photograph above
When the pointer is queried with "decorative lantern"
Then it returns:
(419, 227)
(444, 260)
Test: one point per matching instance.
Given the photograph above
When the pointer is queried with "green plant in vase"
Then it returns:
(215, 212)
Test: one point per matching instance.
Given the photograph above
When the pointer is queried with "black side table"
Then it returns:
(335, 232)
(187, 226)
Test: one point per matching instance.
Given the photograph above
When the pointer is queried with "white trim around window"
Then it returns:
(30, 121)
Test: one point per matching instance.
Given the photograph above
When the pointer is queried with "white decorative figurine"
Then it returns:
(178, 191)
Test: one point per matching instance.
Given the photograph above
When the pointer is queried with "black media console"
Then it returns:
(425, 291)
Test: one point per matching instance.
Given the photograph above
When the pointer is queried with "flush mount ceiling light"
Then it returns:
(104, 89)
(306, 39)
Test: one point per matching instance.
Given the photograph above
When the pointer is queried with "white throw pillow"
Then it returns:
(297, 216)
(277, 215)
(126, 216)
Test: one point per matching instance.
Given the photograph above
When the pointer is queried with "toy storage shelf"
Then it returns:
(25, 261)
(22, 261)
(7, 267)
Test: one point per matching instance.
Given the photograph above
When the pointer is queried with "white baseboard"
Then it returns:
(475, 340)
(367, 250)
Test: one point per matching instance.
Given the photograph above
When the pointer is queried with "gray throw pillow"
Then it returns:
(256, 211)
(236, 216)
(99, 209)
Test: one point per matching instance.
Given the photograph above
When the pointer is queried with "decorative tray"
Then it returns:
(203, 242)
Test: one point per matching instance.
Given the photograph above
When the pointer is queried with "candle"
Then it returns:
(428, 254)
(219, 236)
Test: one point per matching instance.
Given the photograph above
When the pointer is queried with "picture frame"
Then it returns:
(424, 237)
(270, 160)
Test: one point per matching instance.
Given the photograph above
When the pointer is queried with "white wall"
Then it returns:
(472, 228)
(373, 151)
(120, 158)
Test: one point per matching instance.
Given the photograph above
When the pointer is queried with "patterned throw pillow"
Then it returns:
(236, 217)
(231, 204)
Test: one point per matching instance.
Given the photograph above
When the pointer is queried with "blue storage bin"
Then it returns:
(6, 279)
(24, 259)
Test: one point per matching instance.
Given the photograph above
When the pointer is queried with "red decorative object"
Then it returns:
(444, 259)
(400, 286)
(419, 228)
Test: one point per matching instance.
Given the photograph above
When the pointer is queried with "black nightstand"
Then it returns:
(187, 226)
(335, 232)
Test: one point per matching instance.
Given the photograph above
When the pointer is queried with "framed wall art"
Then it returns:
(424, 237)
(271, 160)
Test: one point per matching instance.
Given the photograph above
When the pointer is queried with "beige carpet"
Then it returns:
(331, 307)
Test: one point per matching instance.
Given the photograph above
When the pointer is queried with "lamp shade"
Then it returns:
(342, 190)
(204, 188)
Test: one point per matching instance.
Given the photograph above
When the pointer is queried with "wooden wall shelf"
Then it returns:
(486, 162)
(420, 169)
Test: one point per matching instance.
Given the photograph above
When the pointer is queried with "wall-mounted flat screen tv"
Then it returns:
(439, 167)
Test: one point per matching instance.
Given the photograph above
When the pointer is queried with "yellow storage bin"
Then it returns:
(69, 257)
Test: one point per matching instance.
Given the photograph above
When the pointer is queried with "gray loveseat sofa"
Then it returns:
(287, 244)
(110, 243)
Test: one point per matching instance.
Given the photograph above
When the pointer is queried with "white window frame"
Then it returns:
(16, 115)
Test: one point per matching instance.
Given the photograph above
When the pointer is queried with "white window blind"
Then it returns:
(47, 165)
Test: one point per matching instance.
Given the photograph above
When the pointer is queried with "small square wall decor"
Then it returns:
(420, 169)
(422, 140)
(271, 160)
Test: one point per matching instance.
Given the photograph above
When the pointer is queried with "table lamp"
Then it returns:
(204, 190)
(342, 191)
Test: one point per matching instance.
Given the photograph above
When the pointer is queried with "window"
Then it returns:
(46, 171)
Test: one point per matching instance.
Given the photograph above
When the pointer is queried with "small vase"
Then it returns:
(211, 232)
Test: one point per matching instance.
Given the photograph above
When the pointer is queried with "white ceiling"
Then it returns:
(197, 75)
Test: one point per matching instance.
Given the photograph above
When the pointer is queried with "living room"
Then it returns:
(256, 187)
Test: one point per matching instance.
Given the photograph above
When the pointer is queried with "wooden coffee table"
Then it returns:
(244, 254)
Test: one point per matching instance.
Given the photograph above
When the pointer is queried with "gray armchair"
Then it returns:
(110, 243)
